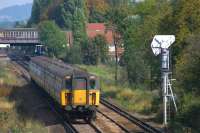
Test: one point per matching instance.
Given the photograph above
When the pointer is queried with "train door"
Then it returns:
(80, 91)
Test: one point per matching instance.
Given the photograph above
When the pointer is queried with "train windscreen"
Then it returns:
(80, 83)
(68, 83)
(93, 84)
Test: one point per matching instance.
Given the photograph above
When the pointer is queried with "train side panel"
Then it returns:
(47, 81)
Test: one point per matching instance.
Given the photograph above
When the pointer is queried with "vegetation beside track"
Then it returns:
(132, 99)
(11, 107)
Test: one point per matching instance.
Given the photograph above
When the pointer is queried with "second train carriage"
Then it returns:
(76, 91)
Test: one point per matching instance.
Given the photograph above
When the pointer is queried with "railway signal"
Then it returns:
(160, 46)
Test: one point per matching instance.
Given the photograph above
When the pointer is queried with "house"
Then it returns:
(94, 29)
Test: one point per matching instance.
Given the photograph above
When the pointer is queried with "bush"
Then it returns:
(74, 55)
(188, 115)
(3, 116)
(187, 67)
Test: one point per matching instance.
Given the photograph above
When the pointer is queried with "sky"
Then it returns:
(7, 3)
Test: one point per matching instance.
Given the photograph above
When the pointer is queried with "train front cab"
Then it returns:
(82, 95)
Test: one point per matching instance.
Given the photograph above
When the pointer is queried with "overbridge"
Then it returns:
(18, 36)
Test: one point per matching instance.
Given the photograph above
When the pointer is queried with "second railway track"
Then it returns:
(144, 126)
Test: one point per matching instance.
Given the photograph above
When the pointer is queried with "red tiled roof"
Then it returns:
(96, 26)
(94, 29)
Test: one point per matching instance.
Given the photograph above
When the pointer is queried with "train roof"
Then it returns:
(60, 68)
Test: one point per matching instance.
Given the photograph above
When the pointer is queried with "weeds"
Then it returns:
(137, 100)
(10, 117)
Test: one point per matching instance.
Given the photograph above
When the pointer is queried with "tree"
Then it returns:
(187, 67)
(186, 22)
(97, 10)
(36, 12)
(53, 38)
(63, 17)
(79, 29)
(101, 49)
(89, 53)
(95, 51)
(42, 10)
(74, 55)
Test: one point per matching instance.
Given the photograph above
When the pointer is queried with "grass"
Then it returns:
(10, 119)
(101, 71)
(135, 100)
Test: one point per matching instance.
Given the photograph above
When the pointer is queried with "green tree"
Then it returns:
(36, 12)
(101, 47)
(42, 10)
(63, 14)
(89, 53)
(79, 29)
(97, 10)
(95, 51)
(187, 20)
(53, 38)
(63, 17)
(187, 67)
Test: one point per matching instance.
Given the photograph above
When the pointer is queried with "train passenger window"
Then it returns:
(80, 83)
(92, 84)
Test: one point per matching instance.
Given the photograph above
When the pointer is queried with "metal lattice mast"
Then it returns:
(160, 45)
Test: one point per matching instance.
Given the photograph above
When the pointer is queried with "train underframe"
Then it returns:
(88, 113)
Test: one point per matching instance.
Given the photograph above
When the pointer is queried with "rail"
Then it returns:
(146, 127)
(67, 125)
(69, 128)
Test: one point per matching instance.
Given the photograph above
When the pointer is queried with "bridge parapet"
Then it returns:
(19, 35)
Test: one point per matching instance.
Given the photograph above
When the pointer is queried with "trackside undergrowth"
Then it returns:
(10, 119)
(134, 100)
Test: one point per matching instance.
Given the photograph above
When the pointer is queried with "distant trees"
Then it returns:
(95, 51)
(74, 55)
(79, 27)
(42, 10)
(101, 49)
(79, 31)
(187, 67)
(36, 12)
(97, 10)
(63, 14)
(20, 24)
(53, 38)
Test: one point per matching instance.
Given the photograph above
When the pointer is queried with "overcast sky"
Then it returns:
(7, 3)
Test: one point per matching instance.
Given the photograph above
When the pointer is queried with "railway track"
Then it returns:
(126, 115)
(69, 127)
(80, 127)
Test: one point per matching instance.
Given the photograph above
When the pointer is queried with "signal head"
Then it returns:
(161, 42)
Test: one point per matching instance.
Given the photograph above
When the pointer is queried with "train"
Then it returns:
(76, 91)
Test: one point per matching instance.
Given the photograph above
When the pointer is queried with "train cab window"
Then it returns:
(80, 83)
(92, 84)
(68, 83)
